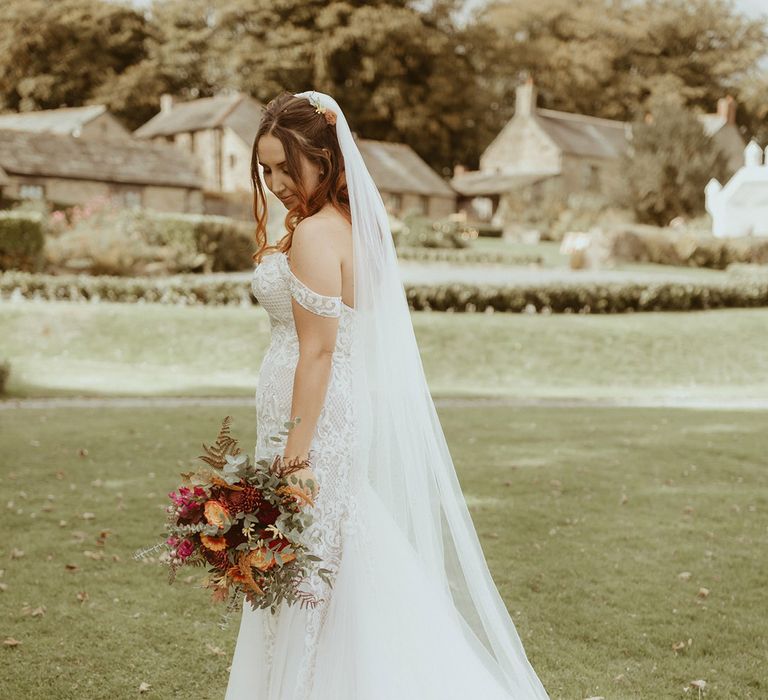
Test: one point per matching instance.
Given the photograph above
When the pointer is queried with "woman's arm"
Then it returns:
(317, 265)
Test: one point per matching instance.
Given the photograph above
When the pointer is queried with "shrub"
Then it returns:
(639, 243)
(114, 241)
(22, 237)
(228, 245)
(103, 239)
(419, 231)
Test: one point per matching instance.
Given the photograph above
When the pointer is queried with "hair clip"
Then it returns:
(329, 114)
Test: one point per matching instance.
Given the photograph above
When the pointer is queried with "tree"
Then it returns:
(59, 54)
(400, 74)
(670, 162)
(608, 58)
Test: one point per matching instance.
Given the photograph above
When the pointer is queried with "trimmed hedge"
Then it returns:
(466, 256)
(22, 237)
(548, 298)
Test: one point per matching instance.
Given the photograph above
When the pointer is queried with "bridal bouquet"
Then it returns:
(244, 522)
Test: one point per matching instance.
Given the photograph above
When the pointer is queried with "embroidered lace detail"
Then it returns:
(317, 303)
(273, 286)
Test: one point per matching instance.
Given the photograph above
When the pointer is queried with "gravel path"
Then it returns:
(412, 272)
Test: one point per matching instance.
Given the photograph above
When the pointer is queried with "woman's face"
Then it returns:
(272, 159)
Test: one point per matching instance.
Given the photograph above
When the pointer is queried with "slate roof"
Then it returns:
(396, 167)
(238, 111)
(103, 160)
(68, 120)
(584, 135)
(481, 182)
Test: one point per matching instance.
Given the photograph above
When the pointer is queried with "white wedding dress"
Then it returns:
(384, 631)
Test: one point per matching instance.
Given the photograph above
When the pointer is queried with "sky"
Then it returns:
(753, 8)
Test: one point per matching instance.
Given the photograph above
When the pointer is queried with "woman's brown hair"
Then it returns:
(301, 130)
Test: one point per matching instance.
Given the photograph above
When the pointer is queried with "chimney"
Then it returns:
(166, 103)
(726, 108)
(525, 98)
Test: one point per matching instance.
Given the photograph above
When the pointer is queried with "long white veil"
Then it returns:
(402, 445)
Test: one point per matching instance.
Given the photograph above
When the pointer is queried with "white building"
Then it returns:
(740, 208)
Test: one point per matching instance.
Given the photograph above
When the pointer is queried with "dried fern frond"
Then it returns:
(216, 455)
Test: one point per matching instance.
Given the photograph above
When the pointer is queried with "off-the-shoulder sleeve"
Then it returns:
(319, 304)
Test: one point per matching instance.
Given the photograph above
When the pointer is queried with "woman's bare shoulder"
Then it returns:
(330, 225)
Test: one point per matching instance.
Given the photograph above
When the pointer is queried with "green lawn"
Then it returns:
(63, 348)
(588, 517)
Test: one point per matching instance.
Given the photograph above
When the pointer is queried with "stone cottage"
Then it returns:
(66, 170)
(542, 157)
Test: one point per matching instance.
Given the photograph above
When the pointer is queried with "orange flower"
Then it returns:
(215, 513)
(258, 558)
(236, 575)
(215, 544)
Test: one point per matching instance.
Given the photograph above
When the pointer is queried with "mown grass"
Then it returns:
(587, 518)
(62, 348)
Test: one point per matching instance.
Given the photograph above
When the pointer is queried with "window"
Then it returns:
(393, 202)
(31, 191)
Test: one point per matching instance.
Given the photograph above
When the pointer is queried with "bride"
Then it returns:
(410, 611)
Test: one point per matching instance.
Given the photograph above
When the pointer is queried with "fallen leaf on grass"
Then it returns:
(700, 684)
(3, 587)
(703, 593)
(82, 452)
(144, 687)
(17, 553)
(34, 612)
(71, 567)
(96, 556)
(11, 642)
(214, 650)
(88, 516)
(684, 575)
(82, 596)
